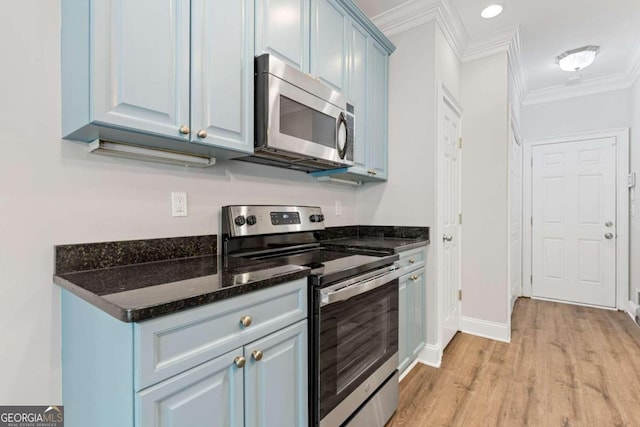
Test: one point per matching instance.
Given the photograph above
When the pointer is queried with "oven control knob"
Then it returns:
(321, 217)
(315, 218)
(251, 220)
(240, 221)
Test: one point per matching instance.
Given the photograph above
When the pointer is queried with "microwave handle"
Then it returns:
(342, 120)
(351, 291)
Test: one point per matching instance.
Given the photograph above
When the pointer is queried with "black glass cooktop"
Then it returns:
(328, 266)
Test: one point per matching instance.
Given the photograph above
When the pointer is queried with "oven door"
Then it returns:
(304, 124)
(356, 345)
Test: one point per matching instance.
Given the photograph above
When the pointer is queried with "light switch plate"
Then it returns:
(179, 204)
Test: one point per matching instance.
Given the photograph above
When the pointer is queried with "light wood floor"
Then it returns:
(565, 366)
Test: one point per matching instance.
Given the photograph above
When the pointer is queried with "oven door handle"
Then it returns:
(330, 297)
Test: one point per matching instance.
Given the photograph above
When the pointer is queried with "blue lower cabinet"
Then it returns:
(196, 367)
(210, 394)
(412, 330)
(276, 378)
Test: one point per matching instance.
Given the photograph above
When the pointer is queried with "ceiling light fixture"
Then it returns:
(137, 152)
(577, 59)
(491, 11)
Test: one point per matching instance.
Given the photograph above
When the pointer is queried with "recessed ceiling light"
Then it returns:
(577, 59)
(491, 11)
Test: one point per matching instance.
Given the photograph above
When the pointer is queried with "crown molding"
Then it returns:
(490, 44)
(584, 88)
(633, 70)
(516, 67)
(414, 13)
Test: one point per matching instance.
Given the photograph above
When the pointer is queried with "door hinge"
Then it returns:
(460, 295)
(631, 180)
(460, 143)
(459, 218)
(532, 162)
(532, 221)
(531, 279)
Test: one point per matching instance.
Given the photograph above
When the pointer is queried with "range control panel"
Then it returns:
(253, 220)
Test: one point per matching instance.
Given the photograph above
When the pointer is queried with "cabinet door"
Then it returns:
(417, 294)
(403, 325)
(222, 73)
(282, 30)
(329, 23)
(377, 113)
(276, 379)
(209, 394)
(141, 65)
(357, 72)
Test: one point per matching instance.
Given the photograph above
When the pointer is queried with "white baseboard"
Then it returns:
(431, 355)
(406, 371)
(485, 329)
(632, 310)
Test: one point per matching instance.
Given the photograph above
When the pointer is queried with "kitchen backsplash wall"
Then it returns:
(54, 192)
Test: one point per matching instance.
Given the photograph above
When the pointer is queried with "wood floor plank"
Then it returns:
(565, 366)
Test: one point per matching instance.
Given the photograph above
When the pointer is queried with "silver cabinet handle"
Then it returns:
(202, 134)
(447, 237)
(184, 130)
(608, 236)
(412, 261)
(608, 224)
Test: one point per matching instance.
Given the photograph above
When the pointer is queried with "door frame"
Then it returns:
(621, 136)
(445, 96)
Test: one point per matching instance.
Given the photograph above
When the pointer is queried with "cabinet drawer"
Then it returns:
(169, 345)
(411, 260)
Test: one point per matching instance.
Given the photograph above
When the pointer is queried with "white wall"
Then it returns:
(484, 189)
(606, 110)
(53, 192)
(635, 167)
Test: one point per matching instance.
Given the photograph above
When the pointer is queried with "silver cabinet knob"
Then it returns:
(184, 130)
(246, 321)
(202, 134)
(447, 237)
(608, 224)
(412, 261)
(257, 355)
(608, 236)
(414, 278)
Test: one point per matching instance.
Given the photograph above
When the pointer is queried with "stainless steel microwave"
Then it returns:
(300, 123)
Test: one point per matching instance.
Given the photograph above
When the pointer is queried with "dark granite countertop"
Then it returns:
(123, 285)
(384, 244)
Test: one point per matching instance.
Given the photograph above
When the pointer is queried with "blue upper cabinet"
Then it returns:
(140, 62)
(282, 30)
(172, 74)
(377, 115)
(358, 70)
(329, 28)
(222, 73)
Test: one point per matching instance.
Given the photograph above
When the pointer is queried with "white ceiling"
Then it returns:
(550, 27)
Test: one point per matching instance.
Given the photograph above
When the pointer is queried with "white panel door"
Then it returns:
(452, 210)
(574, 214)
(516, 219)
(141, 69)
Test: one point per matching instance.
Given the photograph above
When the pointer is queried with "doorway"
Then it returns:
(577, 210)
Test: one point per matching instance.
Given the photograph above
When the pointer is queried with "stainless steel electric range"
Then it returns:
(353, 311)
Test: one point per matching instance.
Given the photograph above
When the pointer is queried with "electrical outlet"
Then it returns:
(338, 208)
(179, 204)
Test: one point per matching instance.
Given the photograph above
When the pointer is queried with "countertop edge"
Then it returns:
(129, 315)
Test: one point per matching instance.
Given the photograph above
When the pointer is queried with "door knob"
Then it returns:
(447, 237)
(608, 236)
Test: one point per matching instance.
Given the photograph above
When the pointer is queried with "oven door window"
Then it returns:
(356, 337)
(305, 123)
